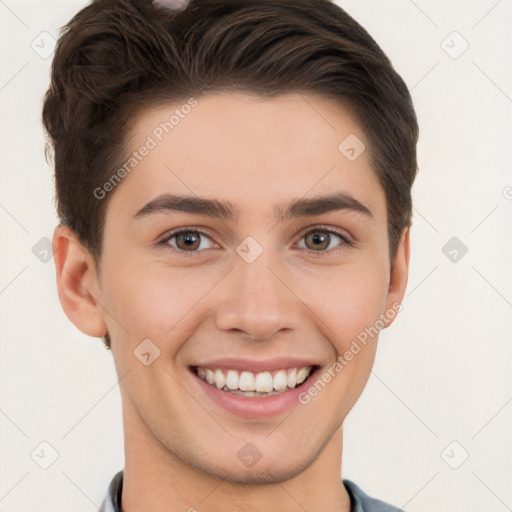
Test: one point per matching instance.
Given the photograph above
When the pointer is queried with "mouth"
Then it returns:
(246, 383)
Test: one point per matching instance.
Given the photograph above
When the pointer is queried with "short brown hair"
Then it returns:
(116, 57)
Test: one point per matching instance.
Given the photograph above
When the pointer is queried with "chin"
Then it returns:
(263, 472)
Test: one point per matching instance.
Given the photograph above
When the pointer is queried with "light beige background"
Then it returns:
(443, 370)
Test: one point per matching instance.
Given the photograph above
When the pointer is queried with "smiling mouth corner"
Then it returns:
(250, 384)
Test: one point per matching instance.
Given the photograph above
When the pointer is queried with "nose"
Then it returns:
(258, 300)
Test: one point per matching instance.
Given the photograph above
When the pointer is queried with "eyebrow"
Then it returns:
(227, 211)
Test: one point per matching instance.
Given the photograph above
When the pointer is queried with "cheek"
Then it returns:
(352, 307)
(154, 304)
(353, 303)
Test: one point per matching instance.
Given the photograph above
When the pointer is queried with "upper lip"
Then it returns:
(257, 366)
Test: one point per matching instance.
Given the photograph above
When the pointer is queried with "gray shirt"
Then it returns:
(359, 500)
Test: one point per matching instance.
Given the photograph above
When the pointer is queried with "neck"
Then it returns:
(156, 479)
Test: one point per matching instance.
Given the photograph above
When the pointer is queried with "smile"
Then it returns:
(250, 384)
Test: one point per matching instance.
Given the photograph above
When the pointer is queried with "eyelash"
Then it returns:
(323, 229)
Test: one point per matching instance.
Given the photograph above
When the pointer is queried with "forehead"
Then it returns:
(248, 150)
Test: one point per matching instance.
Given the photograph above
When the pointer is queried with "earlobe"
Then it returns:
(399, 274)
(77, 282)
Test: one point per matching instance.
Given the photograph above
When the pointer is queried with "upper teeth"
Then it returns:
(263, 382)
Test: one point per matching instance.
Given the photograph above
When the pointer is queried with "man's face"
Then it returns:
(250, 291)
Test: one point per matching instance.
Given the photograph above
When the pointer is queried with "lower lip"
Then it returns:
(251, 407)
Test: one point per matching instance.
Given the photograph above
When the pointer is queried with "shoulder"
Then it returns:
(112, 500)
(364, 503)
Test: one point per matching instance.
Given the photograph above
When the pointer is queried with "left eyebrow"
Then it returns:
(226, 210)
(318, 205)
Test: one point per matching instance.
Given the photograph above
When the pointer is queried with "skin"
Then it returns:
(299, 296)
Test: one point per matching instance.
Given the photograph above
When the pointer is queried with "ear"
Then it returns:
(399, 273)
(77, 282)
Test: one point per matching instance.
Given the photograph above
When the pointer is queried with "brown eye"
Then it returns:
(319, 240)
(188, 240)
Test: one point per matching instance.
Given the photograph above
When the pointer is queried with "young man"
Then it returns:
(234, 183)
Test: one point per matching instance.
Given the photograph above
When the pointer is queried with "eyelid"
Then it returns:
(164, 239)
(347, 239)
